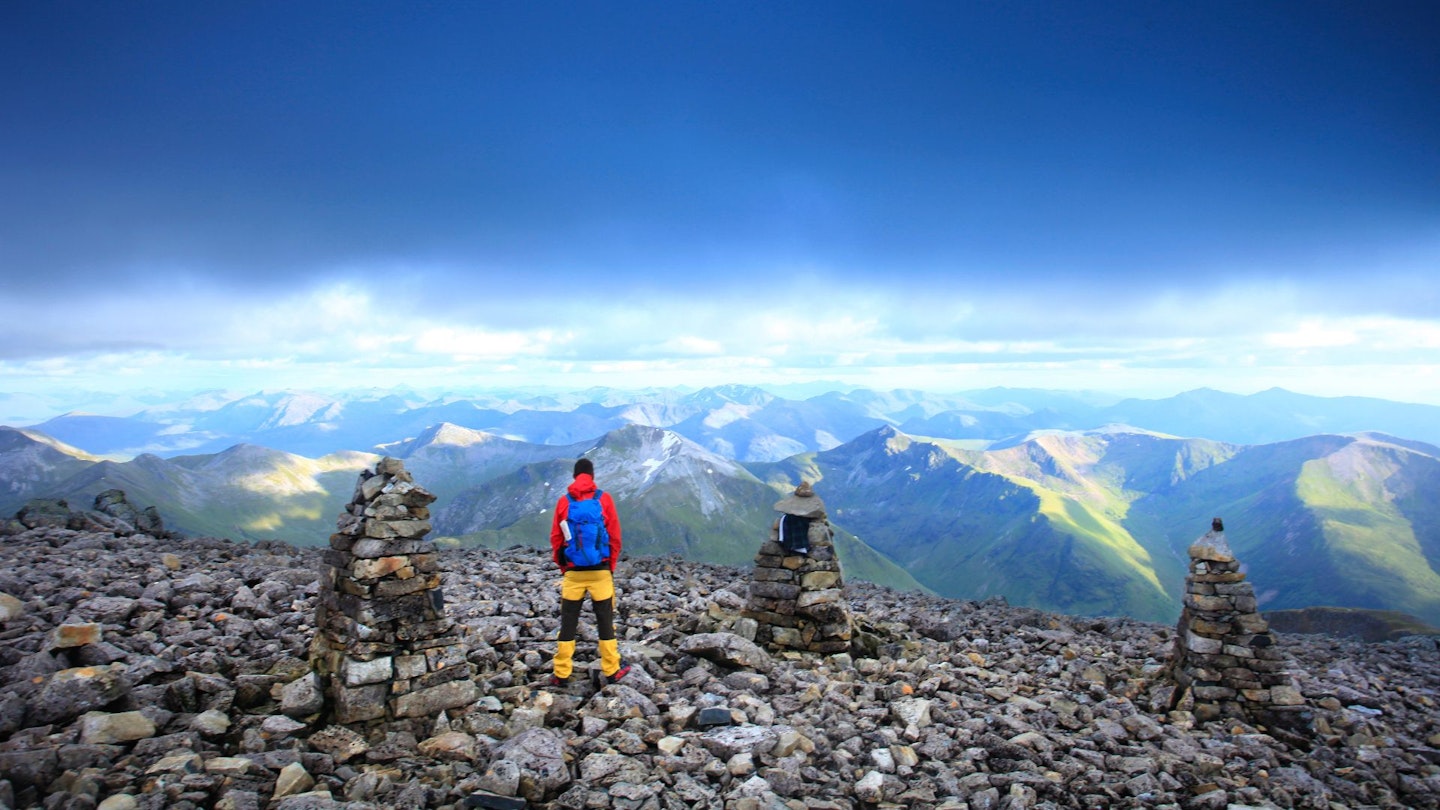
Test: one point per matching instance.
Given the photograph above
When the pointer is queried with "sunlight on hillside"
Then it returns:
(280, 482)
(1099, 532)
(1368, 536)
(275, 521)
(1070, 465)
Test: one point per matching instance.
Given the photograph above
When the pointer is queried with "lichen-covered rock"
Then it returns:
(70, 693)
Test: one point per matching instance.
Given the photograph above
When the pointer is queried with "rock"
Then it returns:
(97, 728)
(620, 702)
(501, 778)
(119, 801)
(728, 649)
(303, 697)
(72, 635)
(726, 742)
(44, 513)
(912, 711)
(871, 787)
(293, 779)
(72, 692)
(1011, 708)
(30, 768)
(714, 716)
(494, 802)
(10, 608)
(339, 742)
(211, 723)
(436, 699)
(608, 769)
(229, 766)
(455, 746)
(539, 753)
(182, 763)
(278, 725)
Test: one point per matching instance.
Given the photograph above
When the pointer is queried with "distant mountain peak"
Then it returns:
(448, 433)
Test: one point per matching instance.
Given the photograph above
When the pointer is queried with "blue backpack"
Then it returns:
(586, 541)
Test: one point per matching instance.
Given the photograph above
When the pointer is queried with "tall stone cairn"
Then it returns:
(383, 646)
(1225, 653)
(798, 600)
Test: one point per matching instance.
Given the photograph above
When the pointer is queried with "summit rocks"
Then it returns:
(193, 693)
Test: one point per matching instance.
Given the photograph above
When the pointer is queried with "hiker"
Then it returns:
(585, 544)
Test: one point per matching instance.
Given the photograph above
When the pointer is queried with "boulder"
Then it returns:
(72, 692)
(728, 649)
(539, 754)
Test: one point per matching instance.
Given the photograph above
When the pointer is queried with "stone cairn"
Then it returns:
(1225, 654)
(383, 645)
(798, 600)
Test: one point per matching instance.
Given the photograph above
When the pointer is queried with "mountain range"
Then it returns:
(1001, 492)
(740, 422)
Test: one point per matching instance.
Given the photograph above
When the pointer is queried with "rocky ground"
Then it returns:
(142, 672)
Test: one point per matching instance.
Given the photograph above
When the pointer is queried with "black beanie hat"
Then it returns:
(585, 466)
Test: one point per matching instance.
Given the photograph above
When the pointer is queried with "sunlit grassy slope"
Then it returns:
(1325, 520)
(245, 493)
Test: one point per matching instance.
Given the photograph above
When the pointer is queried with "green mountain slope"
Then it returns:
(1326, 520)
(1098, 521)
(244, 493)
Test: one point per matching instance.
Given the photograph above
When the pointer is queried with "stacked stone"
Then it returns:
(1225, 654)
(798, 600)
(383, 644)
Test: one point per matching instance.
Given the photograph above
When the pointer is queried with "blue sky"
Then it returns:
(1142, 198)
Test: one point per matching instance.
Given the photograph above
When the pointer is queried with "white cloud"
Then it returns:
(471, 344)
(1251, 336)
(1312, 335)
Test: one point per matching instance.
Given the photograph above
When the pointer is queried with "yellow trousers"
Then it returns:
(574, 587)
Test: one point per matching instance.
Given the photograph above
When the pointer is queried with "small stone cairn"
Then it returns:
(383, 645)
(1225, 654)
(798, 600)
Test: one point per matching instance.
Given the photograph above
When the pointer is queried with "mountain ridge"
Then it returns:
(1088, 520)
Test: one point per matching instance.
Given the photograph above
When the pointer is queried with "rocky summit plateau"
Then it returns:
(145, 672)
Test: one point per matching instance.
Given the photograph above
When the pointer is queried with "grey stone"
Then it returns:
(339, 742)
(728, 649)
(32, 768)
(726, 742)
(100, 728)
(608, 769)
(303, 696)
(501, 778)
(714, 716)
(72, 692)
(436, 699)
(539, 753)
(491, 801)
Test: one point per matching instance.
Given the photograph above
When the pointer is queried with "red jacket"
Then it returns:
(583, 488)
